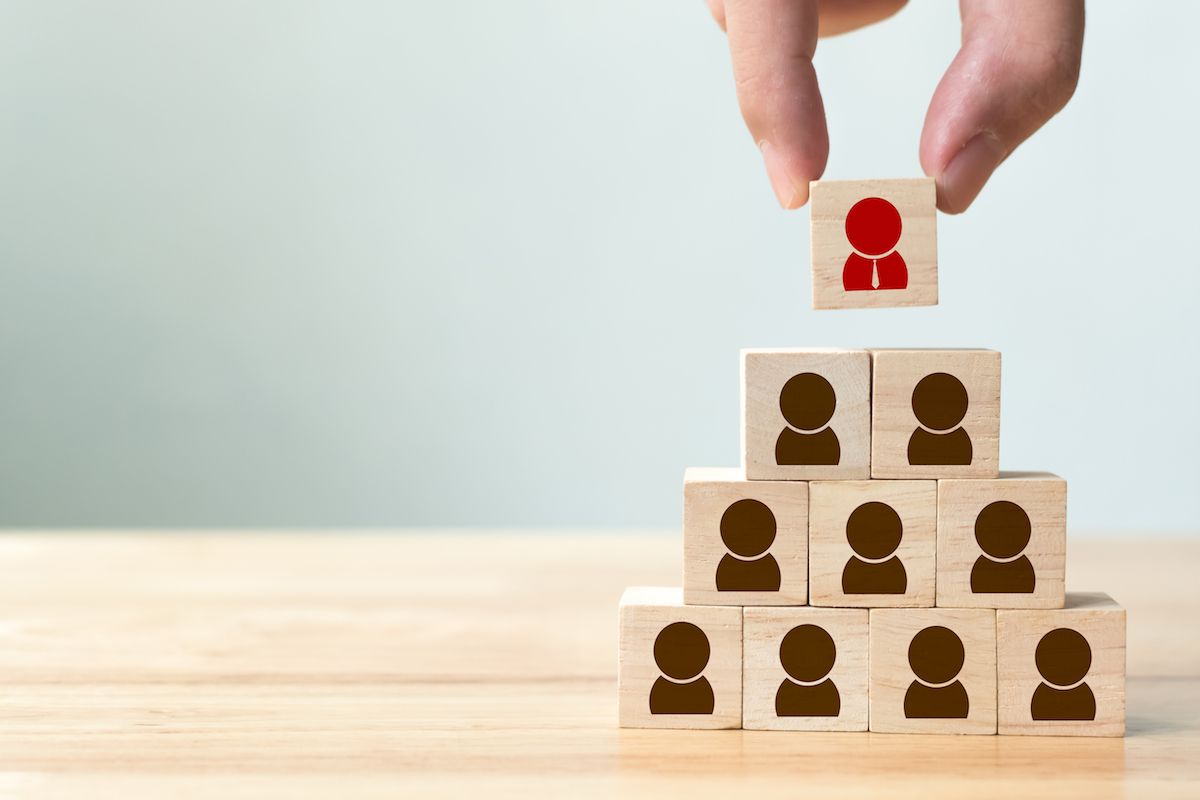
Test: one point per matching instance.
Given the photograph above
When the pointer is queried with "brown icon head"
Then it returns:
(807, 401)
(681, 651)
(1063, 657)
(748, 528)
(936, 655)
(807, 653)
(939, 401)
(1002, 529)
(874, 530)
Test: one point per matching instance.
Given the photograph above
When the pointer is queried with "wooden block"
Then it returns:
(744, 542)
(1002, 543)
(1062, 671)
(935, 414)
(874, 243)
(806, 414)
(679, 666)
(872, 543)
(805, 669)
(933, 670)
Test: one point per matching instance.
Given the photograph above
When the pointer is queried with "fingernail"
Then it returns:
(789, 193)
(965, 175)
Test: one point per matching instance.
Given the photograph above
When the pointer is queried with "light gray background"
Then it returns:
(483, 263)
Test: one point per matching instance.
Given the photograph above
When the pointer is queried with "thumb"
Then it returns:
(1017, 68)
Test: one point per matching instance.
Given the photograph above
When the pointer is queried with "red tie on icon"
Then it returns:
(873, 229)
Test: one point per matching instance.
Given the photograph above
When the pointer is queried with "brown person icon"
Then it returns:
(874, 531)
(807, 654)
(747, 529)
(1063, 658)
(936, 656)
(807, 402)
(939, 403)
(681, 652)
(1002, 531)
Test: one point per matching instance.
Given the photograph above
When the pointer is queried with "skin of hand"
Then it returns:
(1017, 66)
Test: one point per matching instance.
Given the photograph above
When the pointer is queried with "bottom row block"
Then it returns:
(1057, 672)
(933, 670)
(805, 669)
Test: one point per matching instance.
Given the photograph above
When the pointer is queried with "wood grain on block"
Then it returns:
(679, 666)
(935, 414)
(744, 542)
(933, 670)
(806, 414)
(872, 543)
(874, 243)
(1002, 542)
(1062, 671)
(805, 669)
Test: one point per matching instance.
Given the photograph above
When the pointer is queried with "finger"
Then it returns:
(836, 16)
(772, 44)
(841, 16)
(1018, 66)
(717, 9)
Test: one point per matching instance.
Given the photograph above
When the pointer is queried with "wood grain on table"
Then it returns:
(430, 664)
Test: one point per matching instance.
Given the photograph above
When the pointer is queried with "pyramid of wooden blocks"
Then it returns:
(869, 567)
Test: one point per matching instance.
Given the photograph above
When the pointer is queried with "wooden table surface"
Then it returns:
(477, 665)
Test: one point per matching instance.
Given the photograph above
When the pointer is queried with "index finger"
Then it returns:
(772, 43)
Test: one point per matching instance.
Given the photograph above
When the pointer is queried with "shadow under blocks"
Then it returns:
(869, 567)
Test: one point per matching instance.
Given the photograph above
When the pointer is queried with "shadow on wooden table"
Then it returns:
(1161, 732)
(829, 759)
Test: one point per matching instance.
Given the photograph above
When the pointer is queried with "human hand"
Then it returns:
(1017, 67)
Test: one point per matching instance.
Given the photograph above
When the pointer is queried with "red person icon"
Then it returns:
(873, 228)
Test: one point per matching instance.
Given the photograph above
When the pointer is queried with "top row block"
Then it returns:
(874, 243)
(855, 414)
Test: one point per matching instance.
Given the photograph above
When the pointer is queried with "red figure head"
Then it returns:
(873, 226)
